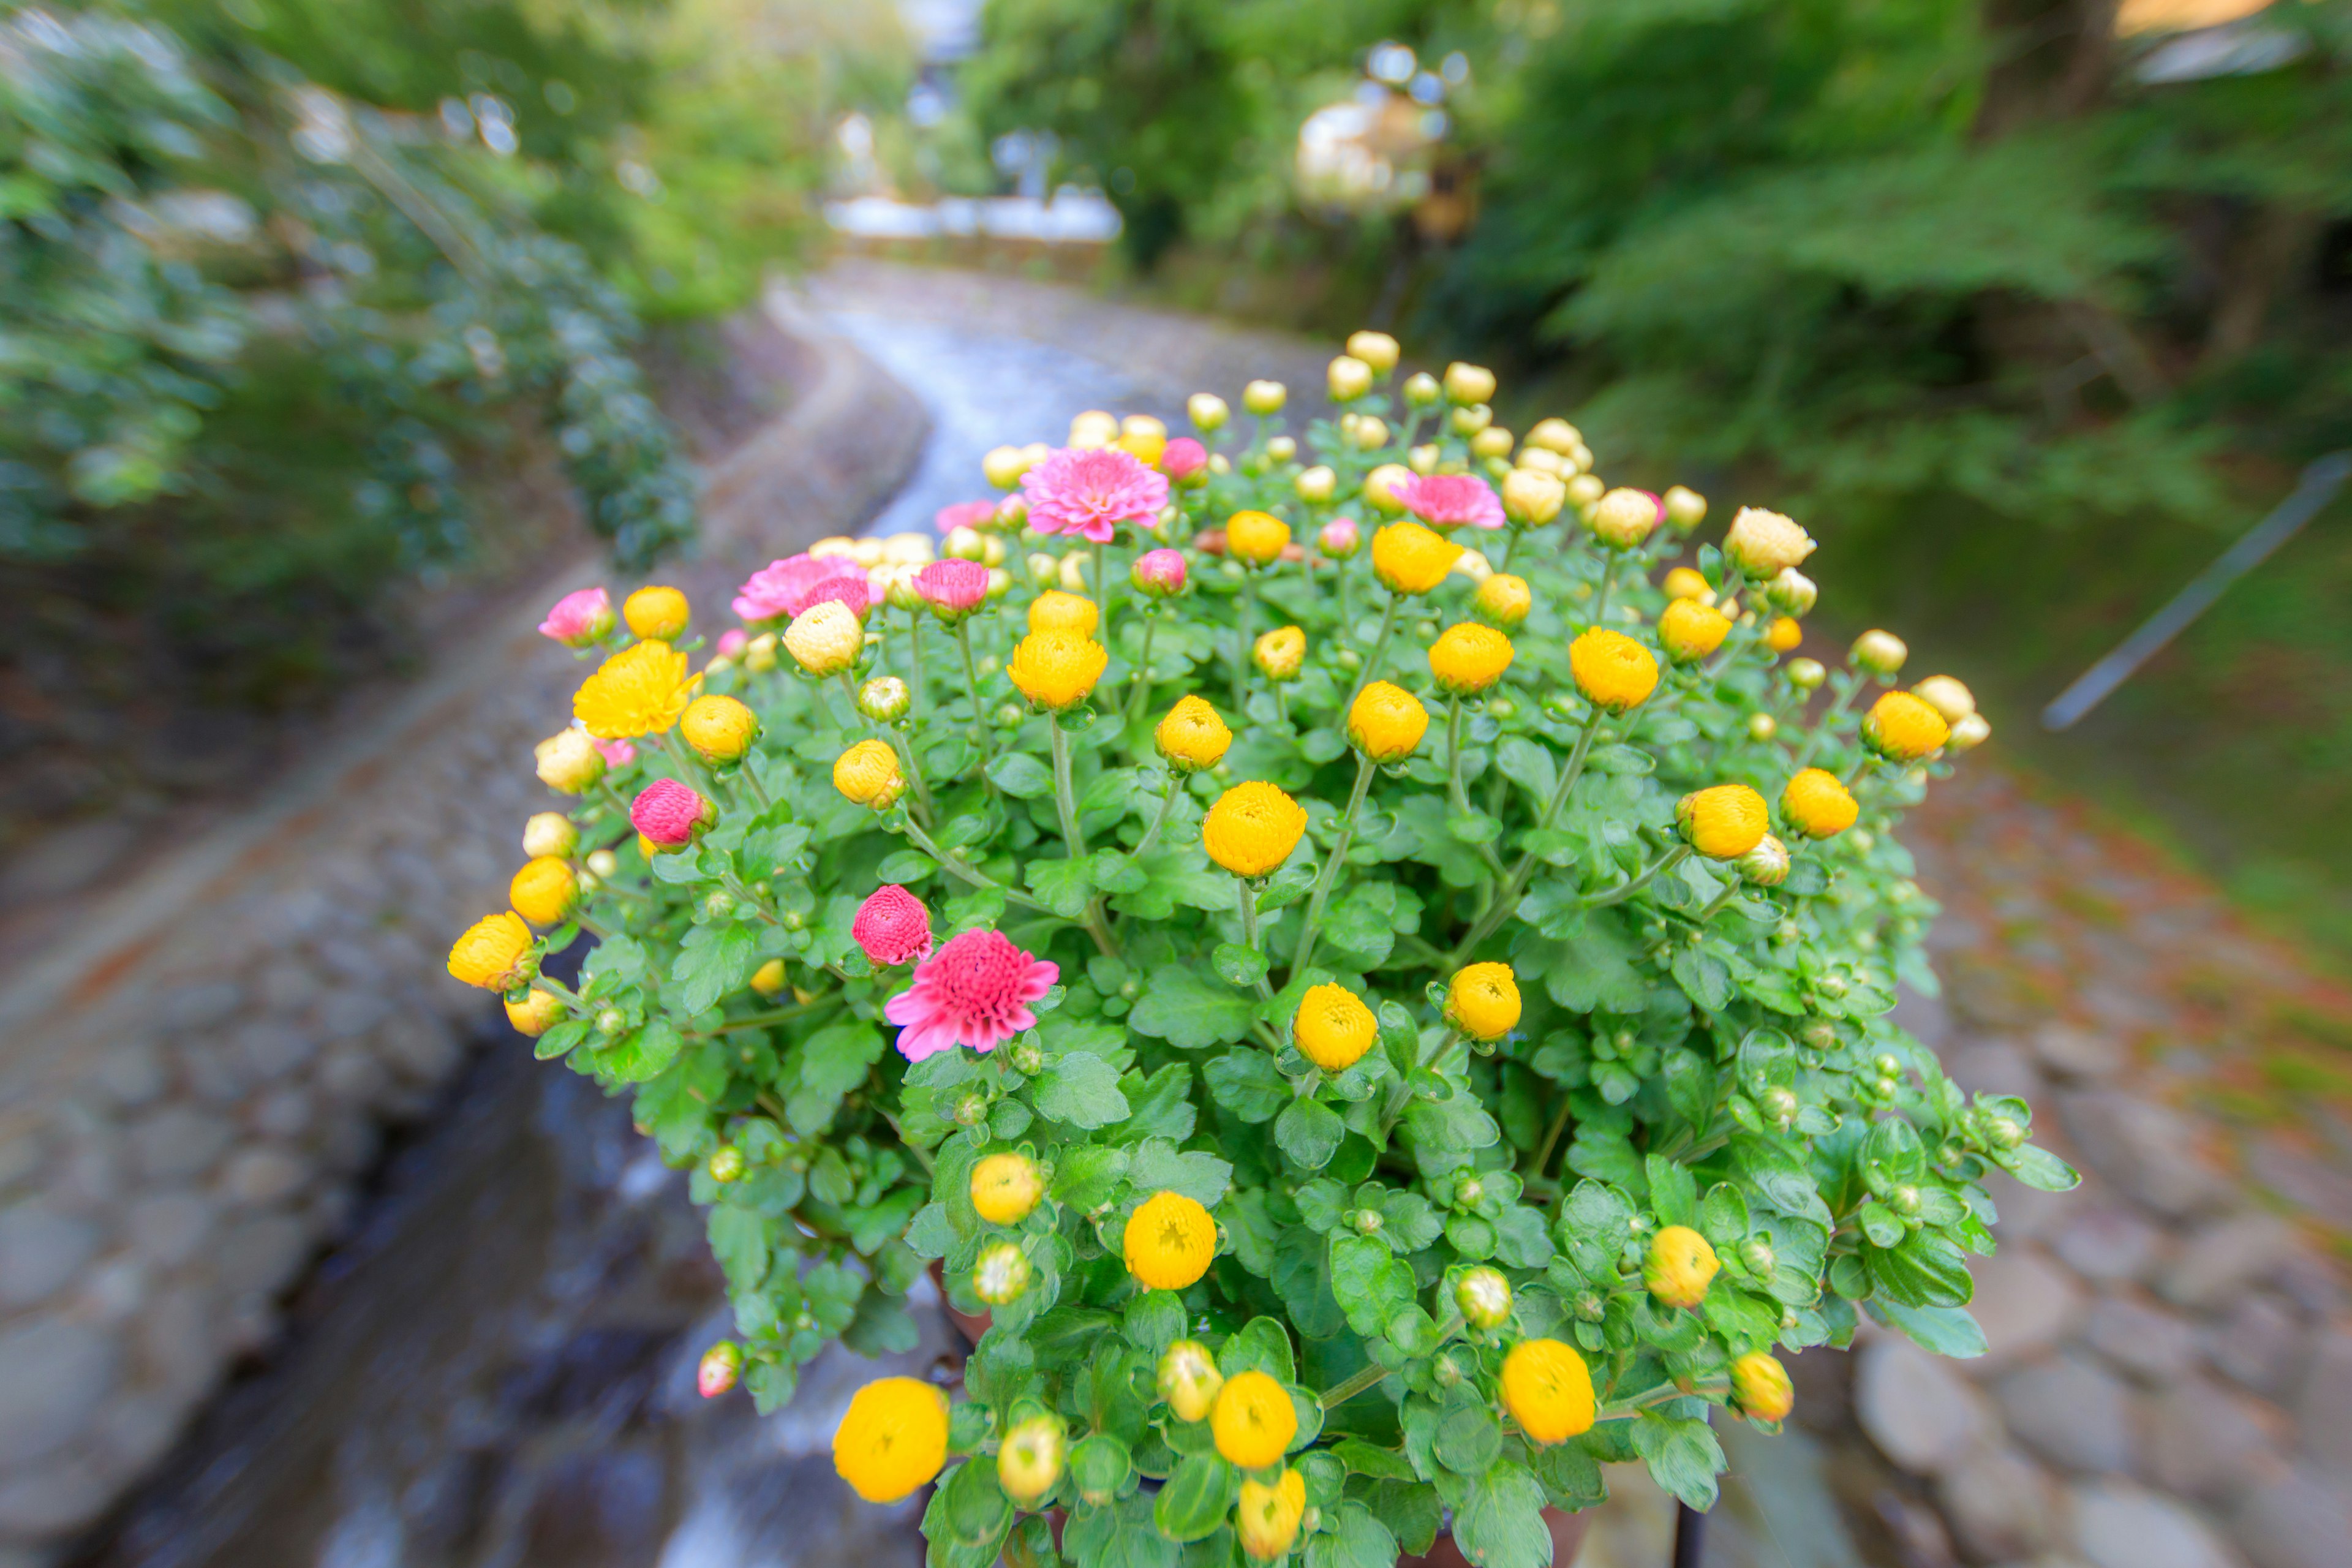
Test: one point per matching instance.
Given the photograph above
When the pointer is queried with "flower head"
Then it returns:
(953, 589)
(1763, 543)
(1159, 573)
(1725, 822)
(975, 991)
(1532, 497)
(1253, 1420)
(1623, 518)
(493, 953)
(550, 833)
(569, 763)
(1253, 828)
(538, 1011)
(1278, 654)
(1468, 384)
(1340, 539)
(1191, 737)
(617, 753)
(670, 814)
(825, 638)
(893, 1439)
(1332, 1027)
(1761, 1387)
(1504, 600)
(1946, 696)
(1882, 653)
(1792, 592)
(1817, 806)
(544, 890)
(964, 514)
(1264, 397)
(1785, 634)
(640, 690)
(1968, 732)
(1548, 1389)
(1614, 672)
(884, 699)
(1057, 670)
(1690, 629)
(1386, 722)
(1483, 1001)
(1377, 350)
(1189, 1379)
(1006, 1187)
(1090, 493)
(1767, 865)
(1170, 1242)
(1468, 657)
(1267, 1517)
(655, 612)
(1410, 559)
(892, 927)
(1903, 728)
(1029, 1461)
(579, 618)
(1685, 507)
(1054, 611)
(718, 729)
(1207, 411)
(1346, 378)
(1451, 500)
(784, 588)
(868, 772)
(1679, 1267)
(1256, 537)
(1182, 458)
(1483, 1297)
(1382, 485)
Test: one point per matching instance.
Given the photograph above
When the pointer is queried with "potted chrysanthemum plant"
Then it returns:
(1364, 964)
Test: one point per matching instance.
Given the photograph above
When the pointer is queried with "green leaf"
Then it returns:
(1197, 1495)
(1308, 1132)
(1086, 1175)
(714, 961)
(1468, 1438)
(1159, 1167)
(1595, 970)
(2038, 1167)
(1674, 1193)
(1946, 1330)
(1409, 1510)
(643, 1056)
(1682, 1455)
(1705, 978)
(1285, 888)
(1079, 1089)
(832, 1061)
(1364, 1459)
(1019, 774)
(1924, 1270)
(1499, 1522)
(906, 865)
(1237, 965)
(1062, 886)
(1352, 1538)
(1187, 1011)
(1570, 1476)
(1246, 1083)
(1529, 765)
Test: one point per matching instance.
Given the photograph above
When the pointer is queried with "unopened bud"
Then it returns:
(550, 833)
(1003, 467)
(1371, 433)
(1377, 350)
(722, 1366)
(1189, 1379)
(1470, 418)
(1767, 865)
(1421, 389)
(1762, 726)
(1348, 378)
(727, 1164)
(1879, 652)
(1791, 592)
(1494, 441)
(1282, 449)
(1485, 1298)
(1207, 411)
(1264, 397)
(1968, 732)
(1805, 674)
(1685, 507)
(1468, 384)
(884, 699)
(1002, 1275)
(1316, 484)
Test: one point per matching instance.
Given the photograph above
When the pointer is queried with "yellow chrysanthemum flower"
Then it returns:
(1058, 670)
(1253, 828)
(544, 890)
(1189, 1379)
(1903, 728)
(1483, 1001)
(825, 638)
(537, 1013)
(1386, 722)
(1725, 822)
(1505, 600)
(1029, 1461)
(868, 772)
(1253, 1420)
(1785, 634)
(1191, 737)
(1171, 1241)
(1267, 1517)
(1333, 1028)
(1548, 1389)
(1006, 1187)
(1762, 543)
(1817, 806)
(1690, 629)
(1278, 654)
(1623, 518)
(1680, 1266)
(491, 953)
(1055, 611)
(1256, 537)
(719, 729)
(1614, 672)
(1532, 497)
(893, 1439)
(1684, 583)
(1410, 559)
(640, 690)
(768, 980)
(656, 613)
(1761, 1387)
(1468, 657)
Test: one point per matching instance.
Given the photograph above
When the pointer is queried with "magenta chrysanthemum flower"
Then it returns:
(669, 814)
(853, 594)
(783, 589)
(953, 588)
(1184, 458)
(1339, 538)
(975, 992)
(1159, 572)
(892, 926)
(1451, 500)
(1090, 493)
(617, 753)
(964, 514)
(579, 619)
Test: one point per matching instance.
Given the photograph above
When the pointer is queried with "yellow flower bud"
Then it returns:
(1806, 674)
(1253, 828)
(1531, 498)
(1278, 653)
(1057, 670)
(1380, 487)
(1761, 1387)
(1473, 564)
(1817, 806)
(1267, 1519)
(868, 772)
(550, 833)
(1006, 1187)
(544, 891)
(1004, 465)
(1683, 583)
(1690, 630)
(1264, 397)
(1947, 697)
(1969, 732)
(1494, 441)
(1505, 600)
(1171, 1241)
(1543, 460)
(1680, 1266)
(1191, 737)
(1421, 389)
(1791, 592)
(884, 699)
(1256, 537)
(1316, 485)
(1468, 384)
(1253, 1420)
(1348, 378)
(1623, 518)
(1483, 1001)
(1761, 544)
(1555, 435)
(640, 690)
(1140, 426)
(1685, 507)
(657, 613)
(760, 653)
(718, 729)
(1421, 459)
(1586, 489)
(1093, 430)
(1410, 559)
(1055, 611)
(893, 1439)
(1189, 1380)
(1143, 447)
(1614, 672)
(1469, 419)
(1725, 822)
(494, 951)
(1371, 434)
(1548, 1389)
(1879, 652)
(1072, 573)
(1902, 729)
(1386, 722)
(1029, 1461)
(1207, 411)
(1377, 350)
(1784, 635)
(768, 980)
(569, 763)
(1332, 1027)
(537, 1013)
(825, 638)
(1468, 657)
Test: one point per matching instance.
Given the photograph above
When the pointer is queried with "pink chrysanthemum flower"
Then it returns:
(579, 619)
(1090, 493)
(1451, 500)
(1339, 538)
(893, 927)
(853, 594)
(975, 992)
(783, 589)
(953, 589)
(1183, 458)
(617, 753)
(669, 814)
(1159, 572)
(965, 514)
(731, 642)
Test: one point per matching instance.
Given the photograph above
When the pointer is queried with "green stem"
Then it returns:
(1329, 875)
(1355, 1383)
(979, 713)
(1244, 613)
(765, 1020)
(1167, 805)
(1522, 873)
(1456, 790)
(1065, 798)
(1249, 902)
(964, 873)
(905, 751)
(1102, 592)
(1851, 684)
(1140, 683)
(1671, 858)
(1721, 899)
(1551, 1137)
(1608, 582)
(914, 655)
(1371, 672)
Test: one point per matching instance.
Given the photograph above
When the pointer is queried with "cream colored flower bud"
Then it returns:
(1792, 592)
(1805, 674)
(1762, 543)
(1377, 350)
(1623, 518)
(1264, 397)
(1542, 460)
(1767, 865)
(1003, 467)
(1555, 435)
(899, 592)
(1685, 507)
(569, 763)
(550, 833)
(1532, 499)
(1494, 441)
(1468, 384)
(1421, 389)
(1586, 489)
(1073, 573)
(1947, 697)
(1093, 430)
(1371, 433)
(825, 638)
(1316, 484)
(1282, 449)
(1348, 378)
(1422, 459)
(964, 544)
(1969, 731)
(760, 653)
(1380, 487)
(1207, 411)
(999, 583)
(1881, 653)
(1469, 418)
(884, 699)
(1579, 458)
(1045, 570)
(1142, 428)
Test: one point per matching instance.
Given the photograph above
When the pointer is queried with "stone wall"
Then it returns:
(192, 1081)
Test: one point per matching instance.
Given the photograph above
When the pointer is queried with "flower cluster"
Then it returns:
(1381, 1016)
